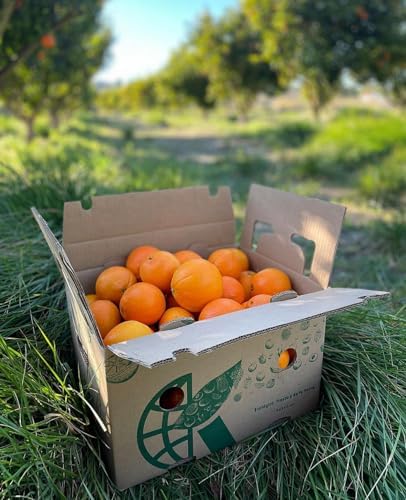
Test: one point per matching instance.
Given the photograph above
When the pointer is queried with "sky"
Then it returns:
(146, 31)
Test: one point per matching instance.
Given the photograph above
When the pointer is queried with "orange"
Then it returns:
(91, 297)
(126, 331)
(230, 261)
(286, 358)
(195, 283)
(259, 300)
(245, 304)
(112, 283)
(158, 269)
(246, 281)
(137, 256)
(232, 289)
(143, 302)
(185, 255)
(219, 307)
(48, 41)
(106, 314)
(271, 281)
(174, 313)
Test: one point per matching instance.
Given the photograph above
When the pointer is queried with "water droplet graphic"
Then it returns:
(270, 383)
(304, 325)
(297, 364)
(286, 333)
(247, 383)
(305, 350)
(317, 336)
(313, 357)
(262, 359)
(252, 367)
(259, 385)
(268, 344)
(237, 397)
(307, 339)
(260, 376)
(191, 409)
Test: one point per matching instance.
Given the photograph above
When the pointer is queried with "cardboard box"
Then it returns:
(225, 368)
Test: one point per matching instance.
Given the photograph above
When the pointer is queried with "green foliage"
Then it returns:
(318, 40)
(182, 82)
(58, 79)
(385, 183)
(349, 141)
(228, 50)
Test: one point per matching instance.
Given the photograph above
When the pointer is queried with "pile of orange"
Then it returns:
(156, 287)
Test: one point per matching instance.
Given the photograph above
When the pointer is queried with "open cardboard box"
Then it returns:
(226, 367)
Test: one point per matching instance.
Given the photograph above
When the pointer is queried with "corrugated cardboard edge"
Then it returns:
(134, 350)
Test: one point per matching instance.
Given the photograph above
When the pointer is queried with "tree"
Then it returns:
(183, 82)
(58, 78)
(317, 40)
(229, 51)
(23, 24)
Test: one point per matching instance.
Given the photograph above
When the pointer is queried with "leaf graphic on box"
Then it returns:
(209, 399)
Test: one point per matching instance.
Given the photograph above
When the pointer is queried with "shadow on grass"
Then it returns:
(283, 135)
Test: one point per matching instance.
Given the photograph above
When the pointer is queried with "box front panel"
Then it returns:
(223, 397)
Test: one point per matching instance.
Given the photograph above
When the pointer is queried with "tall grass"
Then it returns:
(351, 448)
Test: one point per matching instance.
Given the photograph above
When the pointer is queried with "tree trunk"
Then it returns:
(55, 119)
(30, 128)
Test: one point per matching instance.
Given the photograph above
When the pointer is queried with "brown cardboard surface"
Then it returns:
(207, 335)
(253, 394)
(171, 219)
(227, 366)
(289, 214)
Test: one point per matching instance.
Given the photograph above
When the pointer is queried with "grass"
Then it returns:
(352, 447)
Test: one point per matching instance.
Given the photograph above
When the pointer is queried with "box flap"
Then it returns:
(205, 336)
(68, 273)
(289, 215)
(171, 219)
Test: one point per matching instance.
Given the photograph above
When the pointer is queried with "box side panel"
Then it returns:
(228, 395)
(171, 219)
(289, 215)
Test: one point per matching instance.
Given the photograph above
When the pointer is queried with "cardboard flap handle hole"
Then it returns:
(260, 228)
(171, 398)
(308, 247)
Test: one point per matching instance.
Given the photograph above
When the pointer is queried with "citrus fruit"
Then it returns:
(232, 289)
(230, 261)
(48, 41)
(185, 255)
(286, 358)
(195, 283)
(271, 281)
(137, 256)
(91, 297)
(219, 307)
(174, 313)
(106, 314)
(259, 300)
(143, 302)
(246, 280)
(158, 269)
(112, 283)
(126, 331)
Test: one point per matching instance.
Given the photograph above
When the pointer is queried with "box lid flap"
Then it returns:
(289, 216)
(205, 336)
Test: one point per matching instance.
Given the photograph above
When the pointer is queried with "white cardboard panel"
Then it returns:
(204, 336)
